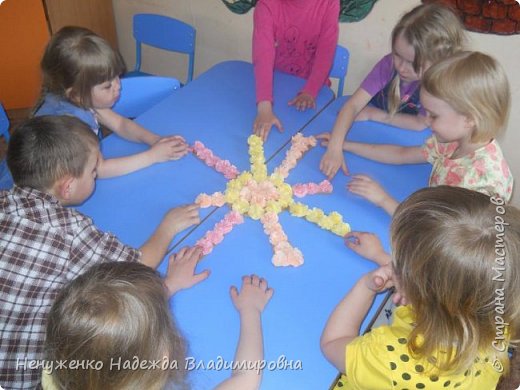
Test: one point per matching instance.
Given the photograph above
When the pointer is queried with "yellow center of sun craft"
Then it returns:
(262, 197)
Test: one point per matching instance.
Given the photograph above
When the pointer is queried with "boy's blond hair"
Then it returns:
(435, 32)
(114, 313)
(475, 85)
(44, 149)
(450, 257)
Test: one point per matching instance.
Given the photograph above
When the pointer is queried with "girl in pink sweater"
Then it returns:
(297, 37)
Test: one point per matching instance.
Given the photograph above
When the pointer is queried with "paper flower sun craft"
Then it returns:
(262, 197)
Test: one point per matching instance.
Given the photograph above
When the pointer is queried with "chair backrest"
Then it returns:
(6, 180)
(140, 93)
(4, 123)
(164, 33)
(340, 67)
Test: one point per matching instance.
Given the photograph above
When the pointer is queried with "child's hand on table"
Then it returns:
(265, 119)
(254, 294)
(368, 188)
(303, 101)
(367, 245)
(169, 148)
(181, 270)
(333, 158)
(180, 218)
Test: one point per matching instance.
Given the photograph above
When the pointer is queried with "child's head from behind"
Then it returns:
(431, 32)
(472, 85)
(113, 313)
(75, 61)
(445, 246)
(56, 154)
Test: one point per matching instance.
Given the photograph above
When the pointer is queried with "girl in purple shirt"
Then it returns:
(390, 93)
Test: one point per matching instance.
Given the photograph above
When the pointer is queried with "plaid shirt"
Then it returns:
(43, 245)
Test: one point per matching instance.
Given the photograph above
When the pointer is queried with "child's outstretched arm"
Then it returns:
(166, 149)
(250, 302)
(325, 48)
(385, 153)
(264, 52)
(175, 221)
(333, 158)
(343, 324)
(404, 121)
(125, 127)
(181, 270)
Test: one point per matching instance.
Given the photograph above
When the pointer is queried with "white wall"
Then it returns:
(223, 35)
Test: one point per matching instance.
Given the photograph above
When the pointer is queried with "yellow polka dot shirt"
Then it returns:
(380, 360)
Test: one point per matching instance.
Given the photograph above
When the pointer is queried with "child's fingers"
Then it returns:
(180, 254)
(361, 178)
(344, 168)
(269, 292)
(378, 283)
(264, 132)
(323, 136)
(263, 284)
(197, 278)
(357, 189)
(278, 125)
(233, 291)
(255, 280)
(353, 236)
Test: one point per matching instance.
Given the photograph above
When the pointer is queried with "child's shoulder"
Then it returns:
(56, 105)
(40, 208)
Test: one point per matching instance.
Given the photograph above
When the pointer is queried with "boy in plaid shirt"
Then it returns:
(44, 244)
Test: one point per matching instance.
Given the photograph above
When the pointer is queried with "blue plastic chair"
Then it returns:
(164, 33)
(340, 67)
(138, 94)
(6, 180)
(4, 124)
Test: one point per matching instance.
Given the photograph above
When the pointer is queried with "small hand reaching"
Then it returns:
(254, 294)
(180, 218)
(367, 245)
(181, 270)
(169, 148)
(303, 101)
(368, 188)
(265, 120)
(333, 159)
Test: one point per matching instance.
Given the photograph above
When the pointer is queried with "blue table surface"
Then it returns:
(218, 108)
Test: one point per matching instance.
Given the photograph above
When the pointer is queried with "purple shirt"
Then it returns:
(382, 74)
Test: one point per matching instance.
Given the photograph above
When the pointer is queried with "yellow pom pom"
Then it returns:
(298, 209)
(341, 229)
(255, 211)
(335, 217)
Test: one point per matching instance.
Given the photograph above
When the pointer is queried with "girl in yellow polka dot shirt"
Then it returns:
(456, 268)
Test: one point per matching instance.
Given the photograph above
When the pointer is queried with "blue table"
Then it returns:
(218, 108)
